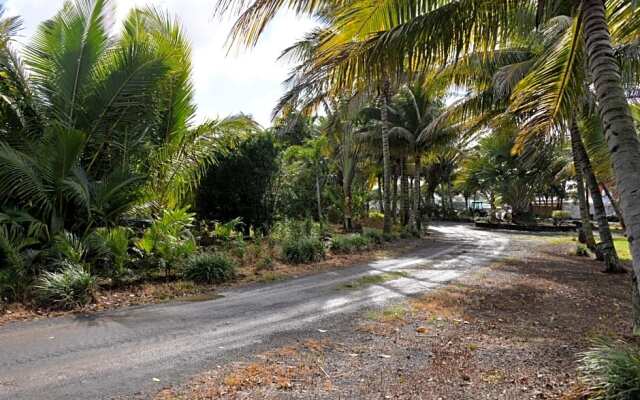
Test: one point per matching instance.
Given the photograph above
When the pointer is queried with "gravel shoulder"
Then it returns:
(511, 330)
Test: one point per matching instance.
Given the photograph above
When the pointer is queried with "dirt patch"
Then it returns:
(511, 331)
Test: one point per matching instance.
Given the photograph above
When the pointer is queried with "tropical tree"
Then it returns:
(85, 113)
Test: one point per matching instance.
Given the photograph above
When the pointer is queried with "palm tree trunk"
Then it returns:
(380, 195)
(615, 206)
(386, 157)
(415, 210)
(619, 129)
(586, 231)
(450, 194)
(318, 197)
(612, 264)
(394, 199)
(404, 192)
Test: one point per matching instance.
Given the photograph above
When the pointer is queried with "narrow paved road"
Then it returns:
(123, 353)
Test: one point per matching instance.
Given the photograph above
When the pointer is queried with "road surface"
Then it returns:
(134, 352)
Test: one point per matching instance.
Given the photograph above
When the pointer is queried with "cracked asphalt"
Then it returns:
(134, 352)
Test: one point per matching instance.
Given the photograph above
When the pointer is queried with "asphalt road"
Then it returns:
(134, 352)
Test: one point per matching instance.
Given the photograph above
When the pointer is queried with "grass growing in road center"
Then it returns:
(374, 280)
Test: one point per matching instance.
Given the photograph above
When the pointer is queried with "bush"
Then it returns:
(349, 243)
(560, 216)
(390, 237)
(374, 235)
(582, 250)
(611, 370)
(288, 230)
(111, 246)
(169, 238)
(302, 250)
(12, 266)
(68, 288)
(210, 268)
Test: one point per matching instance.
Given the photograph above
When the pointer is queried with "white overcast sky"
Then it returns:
(248, 81)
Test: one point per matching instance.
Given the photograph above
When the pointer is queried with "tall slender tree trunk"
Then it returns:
(619, 129)
(414, 217)
(450, 194)
(394, 199)
(348, 210)
(612, 263)
(404, 192)
(386, 157)
(318, 197)
(586, 231)
(615, 206)
(380, 196)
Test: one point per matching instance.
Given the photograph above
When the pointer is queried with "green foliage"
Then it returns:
(493, 168)
(66, 246)
(301, 250)
(169, 237)
(291, 229)
(375, 235)
(349, 243)
(68, 288)
(611, 370)
(111, 245)
(582, 250)
(239, 184)
(228, 231)
(560, 216)
(209, 268)
(13, 272)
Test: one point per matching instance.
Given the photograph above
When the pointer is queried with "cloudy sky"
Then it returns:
(247, 81)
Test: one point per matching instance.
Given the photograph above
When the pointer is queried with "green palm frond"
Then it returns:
(20, 181)
(553, 90)
(64, 53)
(255, 15)
(178, 166)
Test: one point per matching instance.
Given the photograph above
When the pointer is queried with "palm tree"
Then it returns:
(85, 113)
(619, 128)
(417, 108)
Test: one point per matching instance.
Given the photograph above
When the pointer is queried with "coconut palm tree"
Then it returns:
(417, 106)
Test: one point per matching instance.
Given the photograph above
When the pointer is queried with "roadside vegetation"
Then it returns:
(396, 113)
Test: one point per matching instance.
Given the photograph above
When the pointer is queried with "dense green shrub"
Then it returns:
(302, 250)
(70, 287)
(11, 267)
(210, 268)
(375, 235)
(390, 237)
(611, 370)
(290, 229)
(110, 246)
(169, 238)
(560, 216)
(239, 183)
(349, 243)
(67, 247)
(582, 250)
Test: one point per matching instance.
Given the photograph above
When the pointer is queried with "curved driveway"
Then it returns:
(134, 352)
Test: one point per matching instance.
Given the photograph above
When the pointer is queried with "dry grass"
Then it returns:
(509, 332)
(280, 370)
